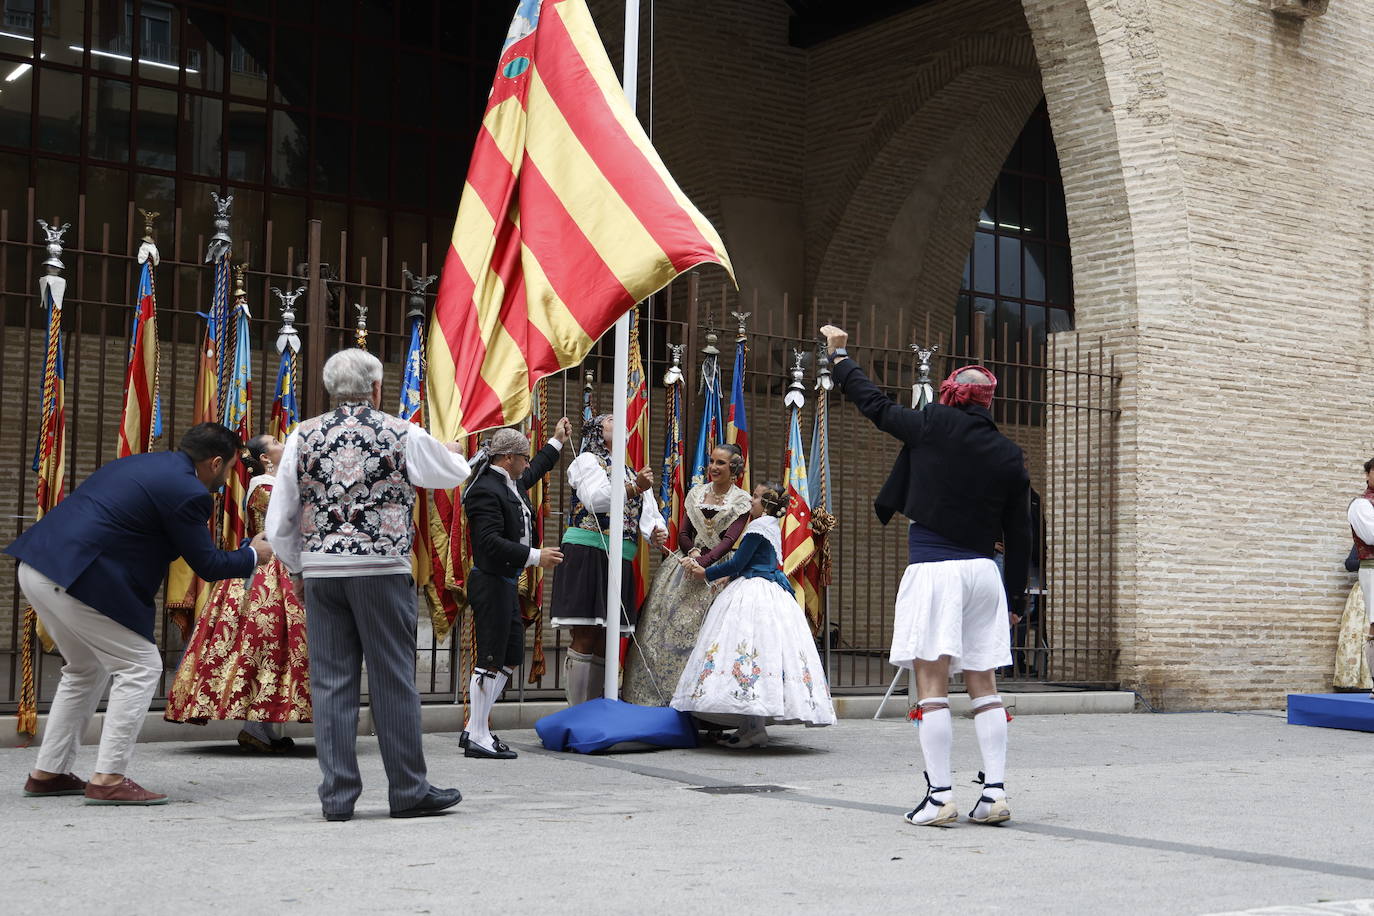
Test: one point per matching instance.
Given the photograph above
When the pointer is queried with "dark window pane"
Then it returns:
(291, 80)
(112, 38)
(371, 170)
(249, 228)
(1033, 207)
(984, 263)
(290, 149)
(1035, 271)
(448, 179)
(456, 34)
(252, 7)
(417, 23)
(18, 29)
(302, 11)
(157, 193)
(455, 96)
(107, 205)
(987, 219)
(1008, 266)
(1008, 327)
(55, 193)
(416, 84)
(1060, 320)
(968, 272)
(376, 18)
(288, 232)
(334, 77)
(14, 183)
(64, 30)
(410, 170)
(108, 137)
(205, 38)
(411, 232)
(374, 87)
(247, 142)
(984, 310)
(16, 103)
(249, 53)
(1056, 220)
(1009, 203)
(963, 309)
(157, 127)
(158, 56)
(1059, 280)
(59, 107)
(1035, 330)
(332, 148)
(203, 136)
(198, 224)
(365, 244)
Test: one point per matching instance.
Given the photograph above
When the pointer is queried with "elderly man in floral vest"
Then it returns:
(341, 518)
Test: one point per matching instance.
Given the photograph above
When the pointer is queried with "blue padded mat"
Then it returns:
(598, 724)
(1332, 710)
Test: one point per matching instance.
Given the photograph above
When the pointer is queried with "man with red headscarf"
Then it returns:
(964, 486)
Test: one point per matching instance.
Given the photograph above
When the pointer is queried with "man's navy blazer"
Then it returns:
(109, 543)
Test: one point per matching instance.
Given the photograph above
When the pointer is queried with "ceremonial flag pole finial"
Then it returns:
(360, 334)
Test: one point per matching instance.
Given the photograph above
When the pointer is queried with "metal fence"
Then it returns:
(1058, 402)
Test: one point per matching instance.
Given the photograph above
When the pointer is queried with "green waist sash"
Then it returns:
(629, 547)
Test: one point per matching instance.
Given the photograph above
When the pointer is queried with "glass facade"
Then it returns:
(1018, 280)
(358, 112)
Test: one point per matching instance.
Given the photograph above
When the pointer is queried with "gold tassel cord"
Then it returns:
(28, 695)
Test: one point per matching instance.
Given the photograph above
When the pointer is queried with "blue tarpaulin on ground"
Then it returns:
(1332, 710)
(601, 723)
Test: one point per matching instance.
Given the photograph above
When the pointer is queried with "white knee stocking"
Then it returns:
(483, 690)
(990, 723)
(937, 735)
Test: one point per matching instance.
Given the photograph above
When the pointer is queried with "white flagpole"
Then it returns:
(620, 410)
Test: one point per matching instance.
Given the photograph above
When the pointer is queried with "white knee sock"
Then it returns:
(483, 689)
(937, 736)
(990, 723)
(578, 676)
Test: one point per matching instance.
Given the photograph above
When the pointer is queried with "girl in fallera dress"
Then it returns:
(247, 658)
(713, 518)
(755, 663)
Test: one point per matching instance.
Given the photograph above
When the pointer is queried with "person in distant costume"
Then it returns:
(579, 589)
(342, 517)
(755, 662)
(713, 518)
(1360, 514)
(91, 568)
(962, 483)
(247, 657)
(501, 525)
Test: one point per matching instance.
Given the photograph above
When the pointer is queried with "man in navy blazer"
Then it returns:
(91, 569)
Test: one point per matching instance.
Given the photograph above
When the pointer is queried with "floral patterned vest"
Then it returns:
(584, 518)
(355, 497)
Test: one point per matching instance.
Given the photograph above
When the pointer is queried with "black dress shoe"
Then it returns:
(338, 816)
(436, 801)
(500, 750)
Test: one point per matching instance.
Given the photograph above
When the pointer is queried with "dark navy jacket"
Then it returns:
(109, 543)
(956, 474)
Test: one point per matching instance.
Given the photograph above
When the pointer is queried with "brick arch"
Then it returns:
(935, 147)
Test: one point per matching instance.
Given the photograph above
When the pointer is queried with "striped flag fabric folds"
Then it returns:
(141, 422)
(737, 422)
(285, 407)
(567, 219)
(712, 418)
(797, 545)
(637, 435)
(50, 455)
(238, 417)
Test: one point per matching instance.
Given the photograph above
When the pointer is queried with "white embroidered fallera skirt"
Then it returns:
(956, 608)
(755, 657)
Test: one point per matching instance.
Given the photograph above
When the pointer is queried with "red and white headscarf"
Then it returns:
(961, 394)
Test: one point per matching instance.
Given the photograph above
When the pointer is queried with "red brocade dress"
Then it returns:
(247, 657)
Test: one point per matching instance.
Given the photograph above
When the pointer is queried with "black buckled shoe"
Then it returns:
(500, 750)
(436, 802)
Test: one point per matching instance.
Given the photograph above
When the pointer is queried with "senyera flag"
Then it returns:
(737, 422)
(568, 218)
(141, 420)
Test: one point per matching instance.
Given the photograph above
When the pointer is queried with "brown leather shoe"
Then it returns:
(127, 792)
(63, 784)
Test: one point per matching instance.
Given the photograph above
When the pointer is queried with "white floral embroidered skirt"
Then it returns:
(755, 657)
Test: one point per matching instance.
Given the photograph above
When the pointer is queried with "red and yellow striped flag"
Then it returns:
(140, 422)
(637, 438)
(568, 218)
(797, 543)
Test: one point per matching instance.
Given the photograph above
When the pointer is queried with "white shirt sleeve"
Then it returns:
(650, 519)
(283, 523)
(591, 483)
(1361, 516)
(430, 464)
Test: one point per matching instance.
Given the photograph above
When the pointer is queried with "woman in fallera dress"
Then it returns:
(713, 518)
(247, 658)
(755, 663)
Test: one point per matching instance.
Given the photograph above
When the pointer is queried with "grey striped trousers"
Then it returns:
(348, 620)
